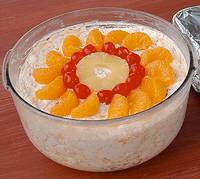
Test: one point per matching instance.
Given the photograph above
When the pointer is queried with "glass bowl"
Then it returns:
(100, 145)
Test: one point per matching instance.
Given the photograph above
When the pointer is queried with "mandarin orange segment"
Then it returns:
(155, 89)
(96, 38)
(55, 59)
(115, 36)
(138, 101)
(67, 94)
(137, 41)
(46, 75)
(157, 53)
(71, 40)
(89, 107)
(119, 107)
(162, 70)
(52, 91)
(69, 50)
(68, 102)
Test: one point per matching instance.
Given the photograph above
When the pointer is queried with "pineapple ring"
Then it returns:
(112, 69)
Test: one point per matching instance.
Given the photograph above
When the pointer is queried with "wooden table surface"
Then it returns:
(20, 159)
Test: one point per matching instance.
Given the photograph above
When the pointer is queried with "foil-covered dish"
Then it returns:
(188, 22)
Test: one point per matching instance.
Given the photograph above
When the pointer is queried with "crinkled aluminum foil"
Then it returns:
(188, 22)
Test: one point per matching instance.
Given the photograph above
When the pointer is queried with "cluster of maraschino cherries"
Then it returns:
(82, 91)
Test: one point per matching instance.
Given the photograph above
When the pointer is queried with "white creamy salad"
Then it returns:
(27, 86)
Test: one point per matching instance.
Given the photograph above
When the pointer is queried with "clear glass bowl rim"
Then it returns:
(103, 121)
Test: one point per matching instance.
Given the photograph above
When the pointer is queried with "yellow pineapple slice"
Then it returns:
(46, 75)
(52, 91)
(89, 107)
(102, 71)
(162, 70)
(115, 36)
(55, 60)
(157, 53)
(96, 38)
(155, 89)
(138, 101)
(137, 41)
(68, 102)
(119, 107)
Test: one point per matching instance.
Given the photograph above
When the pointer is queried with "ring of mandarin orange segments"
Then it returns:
(135, 70)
